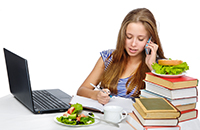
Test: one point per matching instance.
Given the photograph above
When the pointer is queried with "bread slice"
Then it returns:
(169, 62)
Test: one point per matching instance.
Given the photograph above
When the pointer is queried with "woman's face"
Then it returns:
(136, 38)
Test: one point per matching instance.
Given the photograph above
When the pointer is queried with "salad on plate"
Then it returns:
(74, 117)
(170, 67)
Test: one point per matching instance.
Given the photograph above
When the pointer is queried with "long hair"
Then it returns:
(120, 57)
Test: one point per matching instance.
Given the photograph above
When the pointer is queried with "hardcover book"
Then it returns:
(171, 93)
(172, 83)
(133, 121)
(181, 104)
(156, 108)
(155, 122)
(188, 115)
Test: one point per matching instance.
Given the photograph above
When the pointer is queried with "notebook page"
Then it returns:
(87, 102)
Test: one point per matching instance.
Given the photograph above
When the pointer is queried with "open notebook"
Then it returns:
(94, 105)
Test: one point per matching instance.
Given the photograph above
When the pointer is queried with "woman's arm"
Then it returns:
(86, 89)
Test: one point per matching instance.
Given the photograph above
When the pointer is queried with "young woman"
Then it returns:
(122, 70)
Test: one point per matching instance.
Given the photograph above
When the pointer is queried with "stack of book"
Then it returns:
(181, 92)
(154, 113)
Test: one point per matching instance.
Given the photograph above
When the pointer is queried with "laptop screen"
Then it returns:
(18, 76)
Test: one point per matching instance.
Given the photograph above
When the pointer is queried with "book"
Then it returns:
(176, 102)
(171, 93)
(155, 122)
(94, 105)
(188, 115)
(133, 121)
(186, 107)
(172, 83)
(156, 108)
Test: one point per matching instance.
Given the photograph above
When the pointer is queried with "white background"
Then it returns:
(61, 39)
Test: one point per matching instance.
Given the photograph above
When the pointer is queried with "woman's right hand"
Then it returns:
(103, 98)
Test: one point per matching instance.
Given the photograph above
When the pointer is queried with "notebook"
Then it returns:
(38, 101)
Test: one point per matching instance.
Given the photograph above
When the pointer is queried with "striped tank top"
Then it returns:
(121, 87)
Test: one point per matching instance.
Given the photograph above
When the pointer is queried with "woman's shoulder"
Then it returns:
(106, 53)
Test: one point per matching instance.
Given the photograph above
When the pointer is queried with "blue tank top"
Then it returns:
(121, 87)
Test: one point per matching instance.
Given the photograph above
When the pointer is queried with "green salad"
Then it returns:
(170, 70)
(74, 117)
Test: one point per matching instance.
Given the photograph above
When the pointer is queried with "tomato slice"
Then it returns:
(79, 117)
(65, 114)
(70, 110)
(82, 115)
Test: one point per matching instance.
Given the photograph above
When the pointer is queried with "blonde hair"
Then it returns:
(120, 57)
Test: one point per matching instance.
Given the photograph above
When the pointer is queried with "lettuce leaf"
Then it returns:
(171, 70)
(66, 120)
(78, 108)
(87, 120)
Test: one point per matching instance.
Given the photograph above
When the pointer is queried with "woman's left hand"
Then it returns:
(151, 58)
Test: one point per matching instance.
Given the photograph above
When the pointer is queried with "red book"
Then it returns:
(172, 83)
(188, 115)
(133, 121)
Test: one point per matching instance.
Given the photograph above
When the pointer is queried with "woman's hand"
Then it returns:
(103, 98)
(150, 59)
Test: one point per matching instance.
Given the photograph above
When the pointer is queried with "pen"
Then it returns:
(101, 89)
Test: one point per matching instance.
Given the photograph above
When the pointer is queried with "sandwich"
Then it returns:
(170, 67)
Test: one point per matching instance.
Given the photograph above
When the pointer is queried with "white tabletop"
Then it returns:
(14, 116)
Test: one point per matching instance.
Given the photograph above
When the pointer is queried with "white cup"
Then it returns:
(114, 113)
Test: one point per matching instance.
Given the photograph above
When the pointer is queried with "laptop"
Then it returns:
(38, 101)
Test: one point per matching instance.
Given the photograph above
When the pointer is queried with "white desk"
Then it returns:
(14, 116)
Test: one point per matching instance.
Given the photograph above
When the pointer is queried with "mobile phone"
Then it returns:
(148, 50)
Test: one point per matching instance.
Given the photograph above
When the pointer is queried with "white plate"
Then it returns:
(61, 114)
(168, 76)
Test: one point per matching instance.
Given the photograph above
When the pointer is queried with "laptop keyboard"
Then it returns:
(43, 100)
